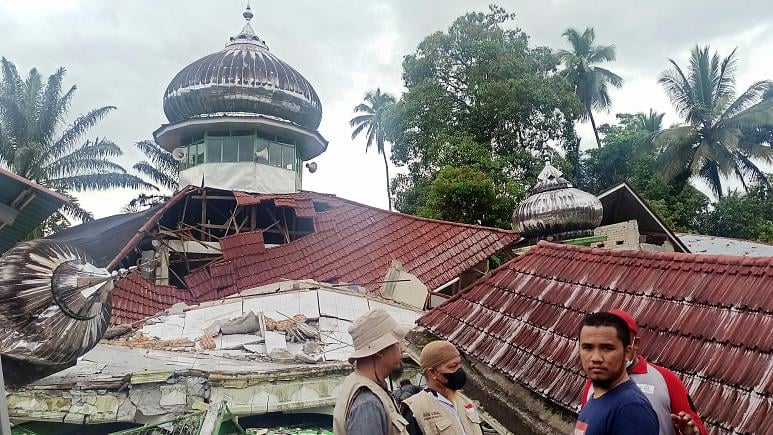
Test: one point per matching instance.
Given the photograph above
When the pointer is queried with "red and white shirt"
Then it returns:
(665, 391)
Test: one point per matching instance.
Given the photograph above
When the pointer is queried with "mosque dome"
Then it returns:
(245, 79)
(555, 209)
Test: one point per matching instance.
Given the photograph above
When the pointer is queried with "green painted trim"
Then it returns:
(586, 241)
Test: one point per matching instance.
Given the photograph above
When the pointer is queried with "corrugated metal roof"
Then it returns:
(700, 243)
(34, 202)
(707, 317)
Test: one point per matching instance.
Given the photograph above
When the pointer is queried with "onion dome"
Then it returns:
(554, 209)
(244, 78)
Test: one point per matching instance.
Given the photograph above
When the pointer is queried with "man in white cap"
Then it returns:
(364, 405)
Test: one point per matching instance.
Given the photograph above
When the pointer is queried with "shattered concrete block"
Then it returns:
(281, 355)
(308, 359)
(172, 395)
(245, 324)
(312, 348)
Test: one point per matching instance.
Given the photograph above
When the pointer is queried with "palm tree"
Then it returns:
(590, 82)
(373, 108)
(162, 171)
(34, 146)
(718, 140)
(651, 122)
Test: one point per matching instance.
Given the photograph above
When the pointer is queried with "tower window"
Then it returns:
(230, 149)
(246, 152)
(214, 148)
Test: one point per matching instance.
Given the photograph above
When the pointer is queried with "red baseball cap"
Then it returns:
(628, 319)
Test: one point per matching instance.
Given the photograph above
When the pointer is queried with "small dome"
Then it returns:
(554, 208)
(244, 78)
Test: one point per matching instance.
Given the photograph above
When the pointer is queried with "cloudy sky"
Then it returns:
(125, 52)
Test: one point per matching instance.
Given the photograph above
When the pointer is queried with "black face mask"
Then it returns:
(455, 380)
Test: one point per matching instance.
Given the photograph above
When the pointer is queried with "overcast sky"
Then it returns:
(125, 52)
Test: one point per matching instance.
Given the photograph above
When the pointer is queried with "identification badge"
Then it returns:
(647, 389)
(580, 428)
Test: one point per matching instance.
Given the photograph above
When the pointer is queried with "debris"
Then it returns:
(245, 324)
(308, 359)
(139, 340)
(207, 342)
(312, 348)
(281, 355)
(178, 308)
(213, 329)
(116, 331)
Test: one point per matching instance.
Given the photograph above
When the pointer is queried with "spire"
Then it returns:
(550, 178)
(247, 35)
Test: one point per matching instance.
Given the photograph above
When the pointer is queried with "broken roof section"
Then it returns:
(215, 243)
(281, 347)
(23, 206)
(706, 317)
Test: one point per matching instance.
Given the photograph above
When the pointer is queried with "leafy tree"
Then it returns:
(34, 145)
(744, 216)
(162, 171)
(651, 122)
(371, 121)
(628, 156)
(718, 140)
(480, 107)
(589, 81)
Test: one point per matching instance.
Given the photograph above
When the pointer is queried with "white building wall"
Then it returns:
(243, 176)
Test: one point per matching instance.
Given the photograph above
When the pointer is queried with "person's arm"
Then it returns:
(366, 415)
(635, 419)
(683, 413)
(585, 391)
(413, 425)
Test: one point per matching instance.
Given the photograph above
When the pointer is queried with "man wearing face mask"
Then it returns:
(440, 408)
(364, 406)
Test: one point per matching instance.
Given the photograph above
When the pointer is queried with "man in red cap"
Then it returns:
(662, 387)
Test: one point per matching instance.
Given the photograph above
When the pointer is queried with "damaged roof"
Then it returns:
(23, 206)
(350, 242)
(706, 317)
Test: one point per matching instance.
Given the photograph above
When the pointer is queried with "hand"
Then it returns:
(684, 424)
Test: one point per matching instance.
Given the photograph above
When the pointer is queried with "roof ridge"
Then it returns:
(422, 218)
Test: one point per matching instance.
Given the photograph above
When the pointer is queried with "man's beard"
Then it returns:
(397, 373)
(605, 384)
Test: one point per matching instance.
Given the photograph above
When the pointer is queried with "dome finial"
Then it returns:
(247, 35)
(247, 12)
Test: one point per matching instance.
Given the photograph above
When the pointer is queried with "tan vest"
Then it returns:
(351, 386)
(435, 418)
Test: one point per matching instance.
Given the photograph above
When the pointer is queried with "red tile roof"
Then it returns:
(351, 243)
(709, 318)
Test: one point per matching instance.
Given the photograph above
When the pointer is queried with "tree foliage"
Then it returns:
(370, 121)
(723, 136)
(35, 145)
(160, 169)
(480, 107)
(590, 81)
(742, 215)
(628, 156)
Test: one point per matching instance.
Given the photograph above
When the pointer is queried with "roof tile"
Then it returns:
(708, 318)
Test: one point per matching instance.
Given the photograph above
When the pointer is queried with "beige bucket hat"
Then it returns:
(375, 331)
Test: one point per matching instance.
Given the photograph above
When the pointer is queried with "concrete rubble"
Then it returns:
(277, 348)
